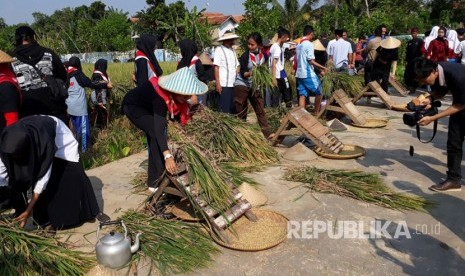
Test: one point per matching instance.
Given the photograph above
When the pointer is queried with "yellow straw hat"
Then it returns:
(5, 58)
(318, 45)
(390, 43)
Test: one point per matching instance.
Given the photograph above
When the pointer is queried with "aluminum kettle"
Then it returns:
(114, 250)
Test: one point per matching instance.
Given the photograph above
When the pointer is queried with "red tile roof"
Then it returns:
(216, 18)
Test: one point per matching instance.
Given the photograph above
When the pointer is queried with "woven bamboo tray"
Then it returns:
(347, 152)
(372, 123)
(400, 107)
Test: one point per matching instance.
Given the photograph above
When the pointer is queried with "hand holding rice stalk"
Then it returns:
(261, 79)
(333, 80)
(357, 185)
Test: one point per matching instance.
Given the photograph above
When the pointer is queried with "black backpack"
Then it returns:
(58, 87)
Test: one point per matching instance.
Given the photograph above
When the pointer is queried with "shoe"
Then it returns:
(102, 217)
(446, 186)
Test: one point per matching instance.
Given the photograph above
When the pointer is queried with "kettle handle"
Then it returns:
(113, 222)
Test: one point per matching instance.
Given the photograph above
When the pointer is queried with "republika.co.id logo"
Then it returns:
(350, 229)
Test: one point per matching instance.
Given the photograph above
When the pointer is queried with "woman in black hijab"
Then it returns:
(190, 59)
(146, 64)
(100, 97)
(40, 152)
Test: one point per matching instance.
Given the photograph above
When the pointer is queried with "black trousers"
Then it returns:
(368, 69)
(156, 159)
(455, 139)
(284, 90)
(381, 75)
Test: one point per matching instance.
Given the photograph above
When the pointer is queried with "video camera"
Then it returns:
(419, 111)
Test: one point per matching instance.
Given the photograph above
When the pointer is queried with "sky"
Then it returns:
(20, 11)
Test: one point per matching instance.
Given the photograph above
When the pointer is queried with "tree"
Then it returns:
(97, 10)
(293, 16)
(260, 16)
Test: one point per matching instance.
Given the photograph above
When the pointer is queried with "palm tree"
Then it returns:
(293, 15)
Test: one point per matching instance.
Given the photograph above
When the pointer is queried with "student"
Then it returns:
(444, 77)
(340, 53)
(226, 69)
(308, 82)
(277, 69)
(40, 152)
(429, 36)
(461, 47)
(438, 49)
(453, 40)
(354, 52)
(371, 51)
(146, 64)
(10, 93)
(77, 100)
(100, 96)
(30, 58)
(190, 59)
(242, 87)
(359, 52)
(147, 107)
(412, 51)
(385, 64)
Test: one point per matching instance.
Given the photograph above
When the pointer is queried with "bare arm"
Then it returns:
(217, 79)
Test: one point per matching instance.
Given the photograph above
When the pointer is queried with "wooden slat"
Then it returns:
(381, 94)
(399, 87)
(232, 215)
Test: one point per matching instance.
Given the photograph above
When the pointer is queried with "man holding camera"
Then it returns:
(444, 77)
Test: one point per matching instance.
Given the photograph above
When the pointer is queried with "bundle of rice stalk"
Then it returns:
(228, 139)
(358, 185)
(261, 79)
(333, 81)
(171, 246)
(26, 253)
(274, 115)
(205, 175)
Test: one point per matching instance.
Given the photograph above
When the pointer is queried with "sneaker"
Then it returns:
(446, 186)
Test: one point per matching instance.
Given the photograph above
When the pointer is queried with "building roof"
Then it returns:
(216, 18)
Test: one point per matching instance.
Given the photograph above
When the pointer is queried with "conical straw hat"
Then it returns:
(5, 58)
(318, 45)
(205, 59)
(183, 82)
(390, 43)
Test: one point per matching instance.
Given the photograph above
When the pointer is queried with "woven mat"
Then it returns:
(372, 123)
(268, 231)
(348, 152)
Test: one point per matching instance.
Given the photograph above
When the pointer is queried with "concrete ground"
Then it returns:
(436, 245)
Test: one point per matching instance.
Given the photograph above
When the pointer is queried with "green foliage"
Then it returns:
(260, 16)
(293, 16)
(352, 16)
(176, 23)
(78, 30)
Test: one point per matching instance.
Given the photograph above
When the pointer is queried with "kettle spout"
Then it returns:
(136, 244)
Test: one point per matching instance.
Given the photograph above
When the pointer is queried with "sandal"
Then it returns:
(102, 217)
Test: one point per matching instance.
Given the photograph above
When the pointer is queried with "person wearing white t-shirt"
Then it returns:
(226, 69)
(460, 51)
(277, 67)
(340, 53)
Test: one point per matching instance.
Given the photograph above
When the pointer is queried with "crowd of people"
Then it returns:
(43, 132)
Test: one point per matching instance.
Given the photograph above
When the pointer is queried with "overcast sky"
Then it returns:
(20, 11)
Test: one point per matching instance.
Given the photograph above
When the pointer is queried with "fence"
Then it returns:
(161, 55)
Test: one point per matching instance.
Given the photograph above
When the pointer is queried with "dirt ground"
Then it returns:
(436, 245)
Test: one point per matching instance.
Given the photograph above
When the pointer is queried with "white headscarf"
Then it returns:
(432, 36)
(453, 39)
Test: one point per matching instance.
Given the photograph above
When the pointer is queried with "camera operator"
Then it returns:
(444, 77)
